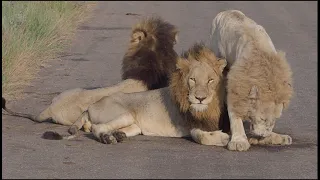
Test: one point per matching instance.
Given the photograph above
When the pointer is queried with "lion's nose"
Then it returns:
(200, 98)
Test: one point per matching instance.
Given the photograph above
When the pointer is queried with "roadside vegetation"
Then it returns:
(32, 33)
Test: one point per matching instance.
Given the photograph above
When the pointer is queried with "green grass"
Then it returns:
(32, 33)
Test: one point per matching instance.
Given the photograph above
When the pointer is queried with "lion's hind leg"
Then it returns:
(216, 138)
(104, 132)
(273, 139)
(79, 123)
(87, 126)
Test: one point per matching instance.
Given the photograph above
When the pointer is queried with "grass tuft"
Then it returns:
(32, 33)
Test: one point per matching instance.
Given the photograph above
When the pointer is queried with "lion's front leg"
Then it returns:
(131, 130)
(104, 132)
(216, 138)
(273, 139)
(239, 141)
(123, 133)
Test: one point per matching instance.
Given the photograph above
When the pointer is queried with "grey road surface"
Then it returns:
(94, 60)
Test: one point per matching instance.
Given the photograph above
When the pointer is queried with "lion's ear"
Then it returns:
(182, 64)
(138, 36)
(175, 39)
(175, 33)
(222, 63)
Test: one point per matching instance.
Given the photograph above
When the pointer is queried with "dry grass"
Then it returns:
(32, 33)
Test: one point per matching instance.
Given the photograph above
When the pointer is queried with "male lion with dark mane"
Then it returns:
(259, 81)
(146, 65)
(190, 106)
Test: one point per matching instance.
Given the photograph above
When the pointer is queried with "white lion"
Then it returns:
(259, 81)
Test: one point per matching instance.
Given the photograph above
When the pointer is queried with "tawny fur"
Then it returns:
(148, 62)
(259, 82)
(172, 111)
(179, 94)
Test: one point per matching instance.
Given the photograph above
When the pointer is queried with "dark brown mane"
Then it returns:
(151, 57)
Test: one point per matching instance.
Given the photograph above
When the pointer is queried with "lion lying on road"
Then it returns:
(191, 105)
(147, 64)
(259, 83)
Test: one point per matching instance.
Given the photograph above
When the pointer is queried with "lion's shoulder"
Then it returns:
(245, 35)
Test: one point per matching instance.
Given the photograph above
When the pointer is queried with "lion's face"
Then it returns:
(197, 84)
(201, 81)
(201, 85)
(266, 117)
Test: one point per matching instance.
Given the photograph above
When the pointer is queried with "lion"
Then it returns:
(259, 81)
(190, 106)
(146, 65)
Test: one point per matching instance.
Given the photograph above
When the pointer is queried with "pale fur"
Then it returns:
(259, 81)
(174, 111)
(67, 107)
(149, 60)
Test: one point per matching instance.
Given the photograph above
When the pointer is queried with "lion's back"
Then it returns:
(233, 34)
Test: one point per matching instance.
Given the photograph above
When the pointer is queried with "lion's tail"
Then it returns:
(50, 135)
(44, 115)
(41, 117)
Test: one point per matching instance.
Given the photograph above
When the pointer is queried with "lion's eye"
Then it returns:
(193, 79)
(210, 81)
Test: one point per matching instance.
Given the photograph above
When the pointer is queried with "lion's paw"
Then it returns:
(238, 144)
(286, 140)
(225, 139)
(73, 130)
(120, 136)
(280, 139)
(86, 130)
(274, 139)
(108, 139)
(253, 141)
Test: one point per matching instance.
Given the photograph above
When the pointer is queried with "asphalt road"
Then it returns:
(94, 60)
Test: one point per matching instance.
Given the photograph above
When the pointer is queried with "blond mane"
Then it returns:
(280, 86)
(179, 90)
